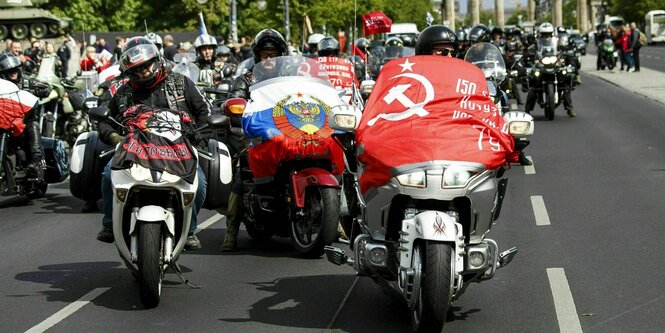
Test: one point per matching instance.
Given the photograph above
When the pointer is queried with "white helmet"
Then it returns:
(546, 28)
(314, 39)
(205, 39)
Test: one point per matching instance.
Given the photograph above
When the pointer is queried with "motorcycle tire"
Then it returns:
(150, 263)
(436, 286)
(611, 64)
(549, 103)
(256, 233)
(322, 206)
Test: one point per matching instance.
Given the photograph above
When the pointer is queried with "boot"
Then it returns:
(523, 160)
(232, 222)
(571, 113)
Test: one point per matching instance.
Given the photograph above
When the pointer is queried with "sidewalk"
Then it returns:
(647, 82)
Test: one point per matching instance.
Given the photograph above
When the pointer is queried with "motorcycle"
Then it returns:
(420, 217)
(550, 78)
(607, 54)
(291, 187)
(152, 206)
(487, 57)
(15, 178)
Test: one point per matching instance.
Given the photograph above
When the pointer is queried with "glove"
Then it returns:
(116, 138)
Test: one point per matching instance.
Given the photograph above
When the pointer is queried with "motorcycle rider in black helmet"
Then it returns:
(437, 40)
(10, 70)
(480, 33)
(268, 44)
(153, 84)
(328, 47)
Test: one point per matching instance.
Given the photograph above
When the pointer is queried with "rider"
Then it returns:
(206, 47)
(10, 70)
(547, 39)
(150, 83)
(267, 45)
(394, 47)
(313, 44)
(437, 40)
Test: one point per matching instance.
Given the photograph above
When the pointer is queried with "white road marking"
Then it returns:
(209, 222)
(539, 210)
(67, 311)
(346, 298)
(530, 169)
(566, 312)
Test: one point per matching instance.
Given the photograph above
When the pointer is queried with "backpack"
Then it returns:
(643, 39)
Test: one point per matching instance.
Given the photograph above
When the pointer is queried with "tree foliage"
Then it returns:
(182, 15)
(634, 11)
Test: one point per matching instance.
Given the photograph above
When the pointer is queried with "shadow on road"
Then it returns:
(306, 302)
(70, 281)
(211, 240)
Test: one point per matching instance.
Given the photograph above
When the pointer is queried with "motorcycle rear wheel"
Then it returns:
(436, 286)
(318, 228)
(549, 103)
(150, 263)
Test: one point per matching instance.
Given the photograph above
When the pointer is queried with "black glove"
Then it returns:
(41, 90)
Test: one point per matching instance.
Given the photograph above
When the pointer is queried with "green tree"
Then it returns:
(514, 18)
(634, 11)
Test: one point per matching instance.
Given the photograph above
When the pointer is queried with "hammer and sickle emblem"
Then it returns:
(396, 93)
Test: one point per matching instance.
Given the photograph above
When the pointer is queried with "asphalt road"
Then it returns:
(590, 252)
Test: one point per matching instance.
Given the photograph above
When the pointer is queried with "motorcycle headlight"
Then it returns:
(457, 177)
(345, 121)
(519, 127)
(414, 179)
(564, 72)
(536, 73)
(549, 60)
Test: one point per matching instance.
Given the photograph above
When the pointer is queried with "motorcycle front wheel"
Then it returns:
(150, 263)
(549, 103)
(435, 293)
(318, 226)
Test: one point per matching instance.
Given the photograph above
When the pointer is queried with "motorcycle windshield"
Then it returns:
(286, 117)
(488, 58)
(46, 72)
(547, 46)
(419, 115)
(185, 65)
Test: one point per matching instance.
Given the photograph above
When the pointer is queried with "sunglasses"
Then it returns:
(445, 52)
(142, 67)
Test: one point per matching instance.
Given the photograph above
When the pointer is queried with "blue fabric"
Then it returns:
(107, 198)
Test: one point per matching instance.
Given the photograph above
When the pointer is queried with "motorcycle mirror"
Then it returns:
(345, 117)
(218, 121)
(99, 113)
(234, 106)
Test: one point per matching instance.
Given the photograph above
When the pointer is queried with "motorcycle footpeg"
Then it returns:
(335, 255)
(507, 256)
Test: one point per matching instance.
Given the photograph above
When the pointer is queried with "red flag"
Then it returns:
(416, 114)
(14, 104)
(360, 53)
(376, 22)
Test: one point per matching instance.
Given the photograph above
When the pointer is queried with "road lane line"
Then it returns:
(539, 210)
(530, 169)
(346, 298)
(566, 312)
(209, 222)
(67, 311)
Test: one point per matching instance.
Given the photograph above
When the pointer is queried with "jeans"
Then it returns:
(107, 198)
(629, 60)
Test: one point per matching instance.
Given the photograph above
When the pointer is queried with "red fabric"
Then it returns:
(11, 115)
(375, 23)
(340, 71)
(456, 122)
(266, 157)
(360, 53)
(88, 64)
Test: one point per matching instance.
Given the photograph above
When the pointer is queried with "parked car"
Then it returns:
(580, 44)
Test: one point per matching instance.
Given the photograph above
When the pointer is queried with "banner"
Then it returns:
(375, 23)
(14, 104)
(340, 71)
(156, 141)
(289, 121)
(417, 114)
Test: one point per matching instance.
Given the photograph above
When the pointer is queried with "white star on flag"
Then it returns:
(407, 65)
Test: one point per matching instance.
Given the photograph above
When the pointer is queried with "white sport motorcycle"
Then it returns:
(152, 210)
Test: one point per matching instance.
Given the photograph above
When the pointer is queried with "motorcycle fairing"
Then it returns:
(310, 177)
(416, 114)
(153, 214)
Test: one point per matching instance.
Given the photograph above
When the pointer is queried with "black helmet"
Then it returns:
(479, 33)
(328, 46)
(223, 50)
(497, 31)
(8, 64)
(433, 35)
(268, 39)
(362, 43)
(394, 41)
(137, 53)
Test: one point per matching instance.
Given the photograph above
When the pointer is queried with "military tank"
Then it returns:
(19, 19)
